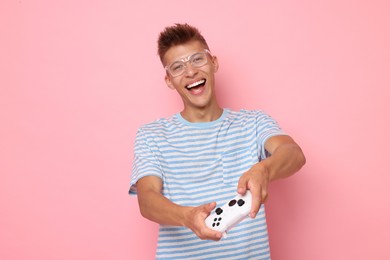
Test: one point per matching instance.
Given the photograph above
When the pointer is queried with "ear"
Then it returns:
(215, 63)
(168, 81)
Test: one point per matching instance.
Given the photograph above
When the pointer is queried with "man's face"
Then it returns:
(196, 84)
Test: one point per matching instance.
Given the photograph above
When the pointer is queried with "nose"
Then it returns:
(190, 70)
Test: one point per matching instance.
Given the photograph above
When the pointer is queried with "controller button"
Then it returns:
(218, 211)
(240, 202)
(213, 224)
(219, 219)
(232, 203)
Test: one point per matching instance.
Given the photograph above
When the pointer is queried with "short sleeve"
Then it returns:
(145, 162)
(266, 127)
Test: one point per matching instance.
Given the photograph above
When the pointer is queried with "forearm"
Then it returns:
(157, 208)
(285, 160)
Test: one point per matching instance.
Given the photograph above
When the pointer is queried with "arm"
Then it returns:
(157, 208)
(286, 159)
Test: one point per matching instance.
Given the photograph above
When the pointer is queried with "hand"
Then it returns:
(256, 180)
(195, 220)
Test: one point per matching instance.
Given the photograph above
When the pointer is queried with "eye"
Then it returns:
(198, 58)
(177, 66)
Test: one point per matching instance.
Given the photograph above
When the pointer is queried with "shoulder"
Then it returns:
(247, 115)
(161, 125)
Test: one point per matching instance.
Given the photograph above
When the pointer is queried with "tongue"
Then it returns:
(196, 90)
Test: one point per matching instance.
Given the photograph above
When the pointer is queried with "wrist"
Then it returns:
(184, 216)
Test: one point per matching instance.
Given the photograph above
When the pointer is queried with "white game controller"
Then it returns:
(222, 219)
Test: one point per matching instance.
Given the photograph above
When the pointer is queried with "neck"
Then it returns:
(202, 115)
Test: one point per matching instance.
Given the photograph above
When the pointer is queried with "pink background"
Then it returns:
(78, 77)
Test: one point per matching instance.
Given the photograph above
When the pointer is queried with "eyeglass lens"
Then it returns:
(196, 60)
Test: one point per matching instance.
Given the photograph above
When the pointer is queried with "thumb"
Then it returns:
(210, 206)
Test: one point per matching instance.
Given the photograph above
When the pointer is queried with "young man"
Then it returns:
(203, 156)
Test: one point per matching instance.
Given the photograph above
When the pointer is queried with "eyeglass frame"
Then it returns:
(186, 60)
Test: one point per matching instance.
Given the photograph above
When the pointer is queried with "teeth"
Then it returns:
(195, 84)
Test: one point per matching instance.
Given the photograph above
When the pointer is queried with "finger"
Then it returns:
(210, 206)
(207, 233)
(264, 193)
(256, 201)
(213, 235)
(264, 190)
(242, 186)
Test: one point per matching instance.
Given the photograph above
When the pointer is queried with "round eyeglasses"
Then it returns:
(196, 60)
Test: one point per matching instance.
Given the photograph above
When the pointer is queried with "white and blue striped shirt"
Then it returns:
(201, 163)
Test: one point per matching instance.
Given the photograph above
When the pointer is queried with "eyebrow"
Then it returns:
(186, 57)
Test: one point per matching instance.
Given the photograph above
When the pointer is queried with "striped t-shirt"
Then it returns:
(201, 163)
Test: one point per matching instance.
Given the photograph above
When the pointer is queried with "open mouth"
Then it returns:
(196, 85)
